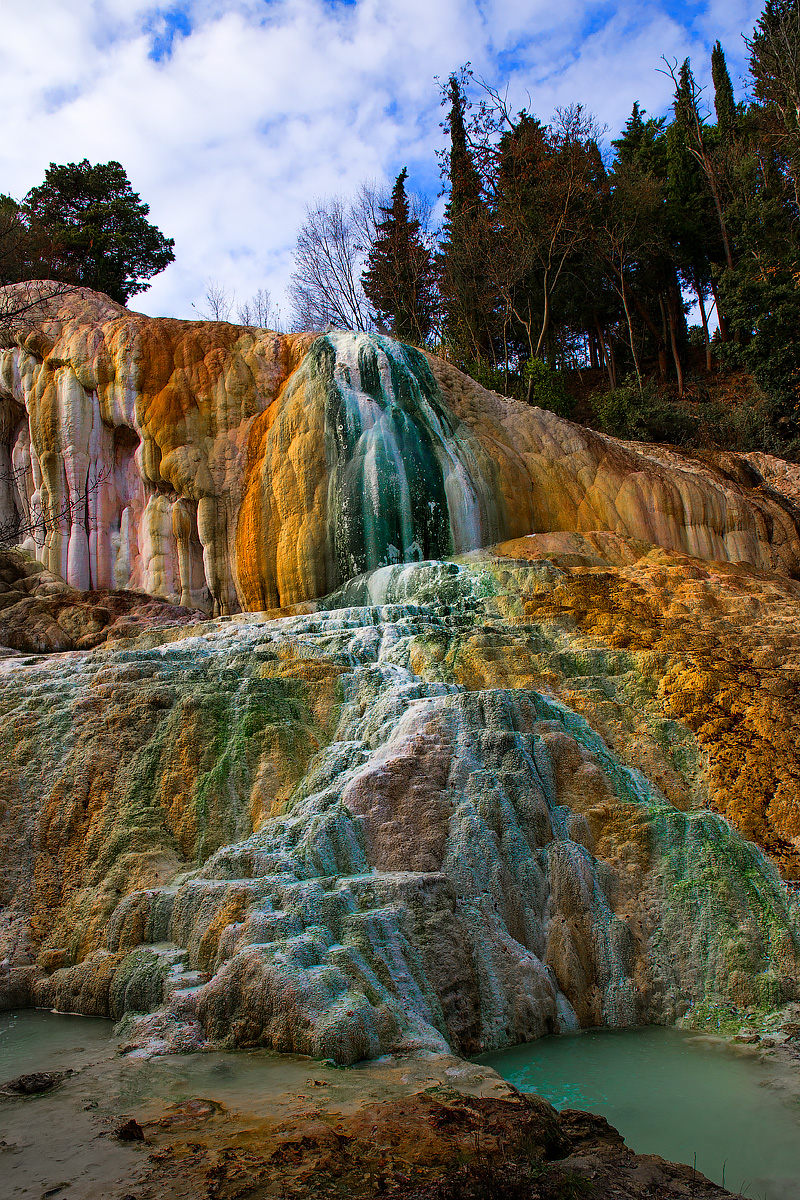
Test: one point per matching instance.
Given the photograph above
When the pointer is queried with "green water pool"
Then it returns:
(687, 1098)
(692, 1099)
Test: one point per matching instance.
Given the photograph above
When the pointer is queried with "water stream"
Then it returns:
(672, 1093)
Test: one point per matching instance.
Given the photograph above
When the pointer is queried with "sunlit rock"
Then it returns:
(432, 803)
(238, 469)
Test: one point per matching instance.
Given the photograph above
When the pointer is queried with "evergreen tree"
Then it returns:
(399, 279)
(91, 229)
(775, 67)
(724, 100)
(465, 251)
(642, 144)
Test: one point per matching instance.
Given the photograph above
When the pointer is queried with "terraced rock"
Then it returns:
(461, 804)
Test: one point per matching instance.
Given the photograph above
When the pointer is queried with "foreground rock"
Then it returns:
(41, 614)
(436, 1145)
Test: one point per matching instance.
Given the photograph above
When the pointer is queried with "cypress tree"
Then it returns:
(465, 249)
(398, 280)
(724, 101)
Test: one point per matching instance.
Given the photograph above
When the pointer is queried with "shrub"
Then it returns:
(545, 387)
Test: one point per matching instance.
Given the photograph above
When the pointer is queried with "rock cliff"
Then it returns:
(437, 803)
(236, 469)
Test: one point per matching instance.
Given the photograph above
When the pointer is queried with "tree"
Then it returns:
(775, 67)
(691, 122)
(399, 279)
(724, 99)
(325, 287)
(90, 228)
(547, 182)
(219, 302)
(259, 311)
(465, 279)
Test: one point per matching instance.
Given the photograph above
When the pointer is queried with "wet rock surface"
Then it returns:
(459, 805)
(33, 1084)
(231, 468)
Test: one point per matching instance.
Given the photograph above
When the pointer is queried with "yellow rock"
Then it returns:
(237, 469)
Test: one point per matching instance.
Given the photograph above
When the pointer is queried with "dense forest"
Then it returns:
(564, 275)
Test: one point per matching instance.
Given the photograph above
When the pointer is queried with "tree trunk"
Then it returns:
(630, 334)
(672, 320)
(606, 354)
(723, 324)
(594, 361)
(662, 347)
(704, 319)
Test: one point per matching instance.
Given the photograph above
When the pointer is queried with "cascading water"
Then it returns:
(424, 868)
(404, 482)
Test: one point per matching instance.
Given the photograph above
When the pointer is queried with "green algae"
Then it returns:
(370, 958)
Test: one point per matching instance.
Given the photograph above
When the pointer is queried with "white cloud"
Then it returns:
(263, 106)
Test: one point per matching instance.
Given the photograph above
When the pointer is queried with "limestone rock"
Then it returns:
(41, 614)
(491, 773)
(447, 809)
(235, 469)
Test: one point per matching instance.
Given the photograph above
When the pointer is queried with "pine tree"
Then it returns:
(399, 279)
(775, 67)
(93, 230)
(642, 144)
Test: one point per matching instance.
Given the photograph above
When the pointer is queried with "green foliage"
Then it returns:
(399, 279)
(13, 241)
(90, 228)
(546, 388)
(724, 101)
(621, 412)
(464, 257)
(647, 415)
(490, 376)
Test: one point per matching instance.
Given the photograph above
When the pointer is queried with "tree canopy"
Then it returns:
(399, 279)
(83, 225)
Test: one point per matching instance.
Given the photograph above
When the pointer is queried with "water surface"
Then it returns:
(672, 1093)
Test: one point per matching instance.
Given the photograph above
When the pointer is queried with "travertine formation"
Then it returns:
(237, 469)
(393, 821)
(453, 803)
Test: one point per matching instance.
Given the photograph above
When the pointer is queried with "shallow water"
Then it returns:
(34, 1040)
(672, 1093)
(60, 1141)
(669, 1092)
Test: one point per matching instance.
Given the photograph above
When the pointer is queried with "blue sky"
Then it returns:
(231, 115)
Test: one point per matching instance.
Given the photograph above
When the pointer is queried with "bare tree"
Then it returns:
(23, 306)
(259, 311)
(325, 286)
(36, 521)
(218, 302)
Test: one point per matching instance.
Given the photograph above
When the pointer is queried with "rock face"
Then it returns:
(40, 613)
(393, 821)
(237, 469)
(454, 803)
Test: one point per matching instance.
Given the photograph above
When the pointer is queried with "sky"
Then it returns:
(231, 116)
